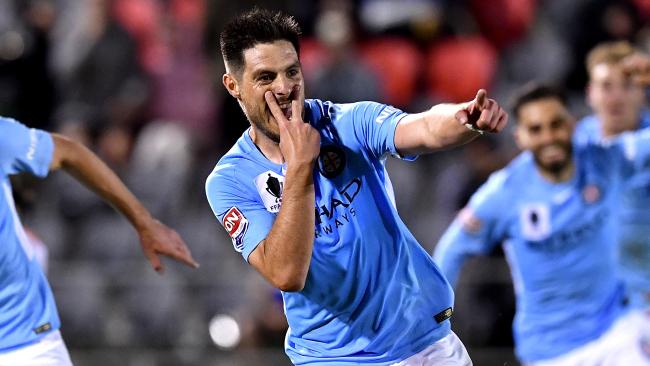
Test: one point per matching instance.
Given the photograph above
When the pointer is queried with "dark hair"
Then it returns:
(534, 91)
(253, 27)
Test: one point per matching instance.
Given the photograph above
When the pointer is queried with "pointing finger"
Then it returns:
(481, 99)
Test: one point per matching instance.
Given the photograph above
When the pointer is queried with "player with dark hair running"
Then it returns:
(305, 196)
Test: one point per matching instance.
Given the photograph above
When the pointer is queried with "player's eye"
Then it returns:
(265, 78)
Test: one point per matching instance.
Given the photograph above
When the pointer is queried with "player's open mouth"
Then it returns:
(286, 109)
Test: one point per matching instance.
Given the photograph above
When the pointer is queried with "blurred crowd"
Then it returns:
(139, 81)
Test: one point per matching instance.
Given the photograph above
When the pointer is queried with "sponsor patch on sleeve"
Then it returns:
(469, 220)
(236, 225)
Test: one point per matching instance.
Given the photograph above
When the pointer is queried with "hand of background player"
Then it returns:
(483, 114)
(299, 141)
(157, 239)
(637, 66)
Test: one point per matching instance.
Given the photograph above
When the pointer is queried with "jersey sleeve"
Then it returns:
(476, 230)
(374, 126)
(23, 149)
(245, 218)
(633, 151)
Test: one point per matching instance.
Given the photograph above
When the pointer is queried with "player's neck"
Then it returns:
(562, 175)
(614, 128)
(269, 148)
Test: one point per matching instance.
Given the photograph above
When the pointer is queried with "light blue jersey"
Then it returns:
(634, 219)
(560, 242)
(373, 295)
(27, 309)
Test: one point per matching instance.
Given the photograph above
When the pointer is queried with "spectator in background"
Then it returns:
(27, 89)
(619, 105)
(342, 78)
(104, 89)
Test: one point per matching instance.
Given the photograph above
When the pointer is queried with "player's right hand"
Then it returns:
(483, 113)
(637, 66)
(157, 239)
(299, 141)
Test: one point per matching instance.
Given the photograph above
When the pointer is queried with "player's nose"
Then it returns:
(283, 86)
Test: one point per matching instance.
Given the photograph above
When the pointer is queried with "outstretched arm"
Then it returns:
(155, 238)
(448, 125)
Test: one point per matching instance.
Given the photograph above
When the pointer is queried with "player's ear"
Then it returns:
(231, 84)
(516, 132)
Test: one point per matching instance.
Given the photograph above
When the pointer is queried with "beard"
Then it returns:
(556, 167)
(264, 128)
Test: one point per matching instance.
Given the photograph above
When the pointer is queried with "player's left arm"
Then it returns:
(446, 125)
(155, 238)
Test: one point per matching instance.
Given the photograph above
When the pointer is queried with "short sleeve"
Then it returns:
(374, 126)
(23, 149)
(245, 218)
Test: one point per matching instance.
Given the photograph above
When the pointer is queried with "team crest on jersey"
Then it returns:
(535, 221)
(236, 225)
(331, 161)
(270, 185)
(591, 193)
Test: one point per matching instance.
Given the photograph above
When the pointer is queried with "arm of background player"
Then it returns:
(475, 231)
(442, 126)
(283, 258)
(155, 238)
(452, 251)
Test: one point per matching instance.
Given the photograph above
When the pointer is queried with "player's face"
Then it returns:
(269, 67)
(615, 98)
(545, 127)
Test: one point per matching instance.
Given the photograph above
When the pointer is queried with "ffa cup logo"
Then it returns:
(236, 225)
(269, 185)
(591, 193)
(331, 161)
(535, 221)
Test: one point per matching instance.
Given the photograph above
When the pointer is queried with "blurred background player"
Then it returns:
(354, 292)
(619, 105)
(559, 233)
(29, 330)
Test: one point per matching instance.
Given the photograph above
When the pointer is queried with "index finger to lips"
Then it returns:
(274, 107)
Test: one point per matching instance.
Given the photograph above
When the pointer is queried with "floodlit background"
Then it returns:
(139, 81)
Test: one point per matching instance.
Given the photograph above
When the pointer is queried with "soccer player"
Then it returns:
(29, 323)
(618, 101)
(305, 197)
(554, 209)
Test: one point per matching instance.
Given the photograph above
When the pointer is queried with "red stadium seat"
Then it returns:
(503, 21)
(397, 63)
(457, 68)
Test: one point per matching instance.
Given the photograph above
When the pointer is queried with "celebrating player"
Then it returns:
(29, 323)
(554, 209)
(616, 94)
(305, 196)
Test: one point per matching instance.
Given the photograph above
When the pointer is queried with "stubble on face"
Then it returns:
(270, 67)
